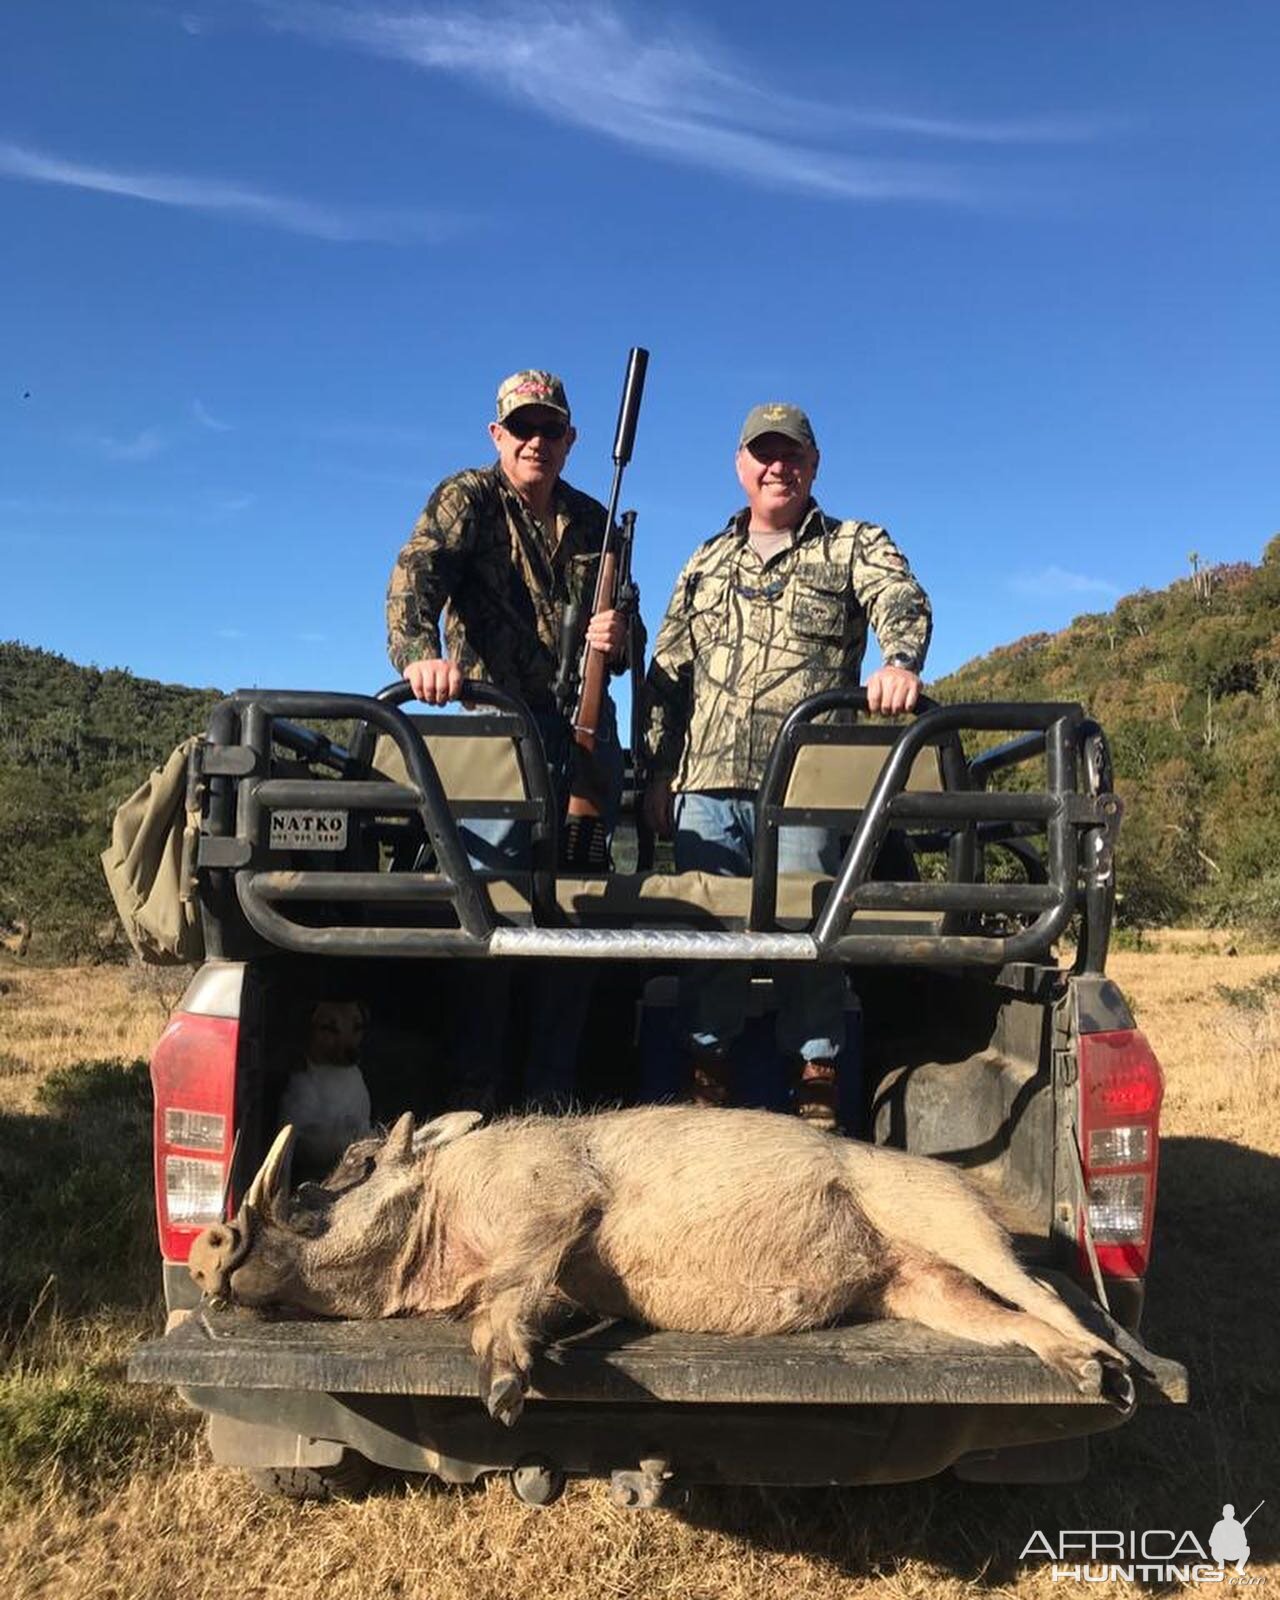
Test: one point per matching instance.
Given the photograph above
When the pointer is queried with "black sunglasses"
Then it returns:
(524, 429)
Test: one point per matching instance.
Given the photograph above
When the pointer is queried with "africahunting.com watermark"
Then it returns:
(1149, 1555)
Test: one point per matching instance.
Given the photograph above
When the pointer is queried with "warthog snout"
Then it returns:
(219, 1250)
(216, 1253)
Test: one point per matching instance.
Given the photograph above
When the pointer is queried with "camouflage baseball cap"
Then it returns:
(775, 417)
(531, 388)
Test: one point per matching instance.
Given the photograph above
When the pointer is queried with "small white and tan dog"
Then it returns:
(327, 1100)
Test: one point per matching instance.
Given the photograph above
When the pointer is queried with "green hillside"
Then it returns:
(1186, 682)
(74, 742)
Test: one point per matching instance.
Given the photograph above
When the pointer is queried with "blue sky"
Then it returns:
(265, 261)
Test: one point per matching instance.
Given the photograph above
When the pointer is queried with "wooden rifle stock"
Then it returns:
(595, 665)
(588, 783)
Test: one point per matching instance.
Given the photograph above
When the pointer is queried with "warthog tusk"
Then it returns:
(264, 1190)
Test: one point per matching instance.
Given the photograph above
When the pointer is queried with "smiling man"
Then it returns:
(772, 609)
(503, 548)
(499, 551)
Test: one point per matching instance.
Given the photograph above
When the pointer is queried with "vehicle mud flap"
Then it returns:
(254, 1445)
(1056, 1461)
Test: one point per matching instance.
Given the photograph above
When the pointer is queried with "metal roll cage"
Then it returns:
(1076, 811)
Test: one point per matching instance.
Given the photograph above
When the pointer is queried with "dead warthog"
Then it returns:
(714, 1221)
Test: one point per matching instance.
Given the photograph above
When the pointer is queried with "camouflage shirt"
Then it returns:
(744, 640)
(478, 555)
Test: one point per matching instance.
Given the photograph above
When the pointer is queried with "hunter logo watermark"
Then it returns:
(1152, 1555)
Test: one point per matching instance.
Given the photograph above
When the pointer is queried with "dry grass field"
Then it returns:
(105, 1491)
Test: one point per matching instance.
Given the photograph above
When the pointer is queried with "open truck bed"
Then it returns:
(975, 1048)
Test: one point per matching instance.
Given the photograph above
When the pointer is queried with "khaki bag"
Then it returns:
(143, 865)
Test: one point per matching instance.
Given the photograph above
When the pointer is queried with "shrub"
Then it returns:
(75, 1203)
(72, 1425)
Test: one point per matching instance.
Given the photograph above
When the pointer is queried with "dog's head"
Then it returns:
(335, 1032)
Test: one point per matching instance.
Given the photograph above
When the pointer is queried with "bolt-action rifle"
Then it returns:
(581, 681)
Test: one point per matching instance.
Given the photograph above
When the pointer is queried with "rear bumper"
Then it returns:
(799, 1446)
(871, 1403)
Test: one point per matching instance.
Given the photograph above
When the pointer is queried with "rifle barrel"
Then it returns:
(629, 408)
(623, 439)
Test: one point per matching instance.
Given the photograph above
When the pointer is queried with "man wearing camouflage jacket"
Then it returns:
(772, 609)
(501, 547)
(499, 551)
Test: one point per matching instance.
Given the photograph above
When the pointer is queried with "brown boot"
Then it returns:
(817, 1094)
(709, 1078)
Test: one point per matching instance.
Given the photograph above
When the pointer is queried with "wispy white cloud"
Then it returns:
(232, 505)
(1056, 580)
(203, 416)
(143, 446)
(418, 481)
(1062, 129)
(355, 432)
(670, 88)
(222, 198)
(40, 506)
(24, 539)
(206, 505)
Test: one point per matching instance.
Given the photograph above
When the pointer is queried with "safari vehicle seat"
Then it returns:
(479, 772)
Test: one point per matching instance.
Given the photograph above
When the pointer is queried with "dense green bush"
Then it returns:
(74, 743)
(79, 1280)
(75, 1208)
(1186, 682)
(69, 1425)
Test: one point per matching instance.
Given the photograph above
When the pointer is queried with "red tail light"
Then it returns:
(1121, 1087)
(193, 1074)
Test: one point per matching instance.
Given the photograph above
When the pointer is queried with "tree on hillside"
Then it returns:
(74, 743)
(1186, 681)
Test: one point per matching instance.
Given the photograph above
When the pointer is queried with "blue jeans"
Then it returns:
(561, 997)
(497, 845)
(715, 832)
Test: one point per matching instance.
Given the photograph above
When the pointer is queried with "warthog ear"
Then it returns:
(444, 1130)
(397, 1147)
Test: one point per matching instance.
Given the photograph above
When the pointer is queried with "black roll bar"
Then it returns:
(258, 706)
(1059, 724)
(1074, 811)
(517, 721)
(1056, 729)
(773, 787)
(256, 716)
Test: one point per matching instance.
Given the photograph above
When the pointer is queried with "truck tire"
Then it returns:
(350, 1479)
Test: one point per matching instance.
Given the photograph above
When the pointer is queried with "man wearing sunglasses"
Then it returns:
(772, 609)
(499, 551)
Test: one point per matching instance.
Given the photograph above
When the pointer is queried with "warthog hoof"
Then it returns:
(505, 1399)
(1097, 1371)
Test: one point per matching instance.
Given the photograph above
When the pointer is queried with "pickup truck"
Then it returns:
(980, 838)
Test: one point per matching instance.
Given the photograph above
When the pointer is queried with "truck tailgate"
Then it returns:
(872, 1363)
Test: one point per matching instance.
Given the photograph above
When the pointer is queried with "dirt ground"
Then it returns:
(175, 1526)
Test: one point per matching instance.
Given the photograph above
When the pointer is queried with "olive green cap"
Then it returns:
(775, 417)
(531, 388)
